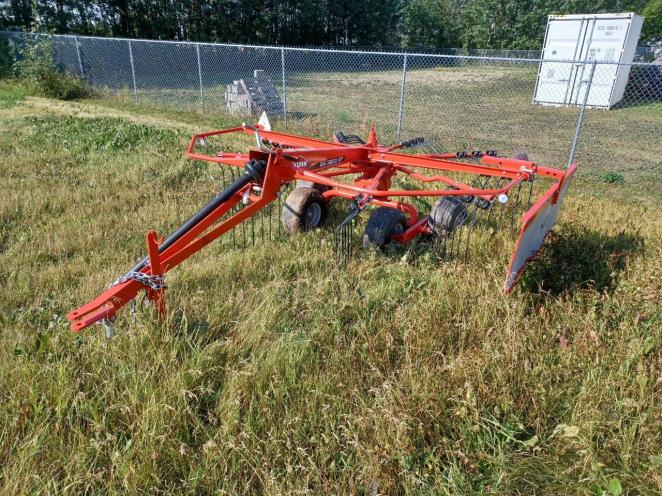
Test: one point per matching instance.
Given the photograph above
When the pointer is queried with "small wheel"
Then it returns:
(383, 223)
(304, 209)
(447, 214)
(309, 184)
(522, 156)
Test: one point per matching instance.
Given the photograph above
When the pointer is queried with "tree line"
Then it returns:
(516, 24)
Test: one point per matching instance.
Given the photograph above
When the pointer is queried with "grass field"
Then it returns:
(279, 373)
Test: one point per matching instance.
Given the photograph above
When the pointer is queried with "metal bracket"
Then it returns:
(109, 327)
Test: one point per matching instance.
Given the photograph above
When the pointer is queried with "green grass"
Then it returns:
(277, 372)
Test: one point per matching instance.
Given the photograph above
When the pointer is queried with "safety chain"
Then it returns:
(153, 282)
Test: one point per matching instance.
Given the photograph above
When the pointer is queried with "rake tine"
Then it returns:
(500, 183)
(343, 235)
(470, 228)
(488, 185)
(437, 246)
(475, 217)
(515, 209)
(271, 219)
(262, 224)
(243, 234)
(338, 239)
(280, 209)
(443, 245)
(345, 242)
(528, 201)
(462, 234)
(457, 233)
(442, 241)
(234, 232)
(347, 234)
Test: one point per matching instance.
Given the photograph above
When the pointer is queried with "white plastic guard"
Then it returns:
(264, 122)
(536, 224)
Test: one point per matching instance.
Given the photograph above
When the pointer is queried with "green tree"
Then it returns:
(429, 23)
(421, 23)
(652, 30)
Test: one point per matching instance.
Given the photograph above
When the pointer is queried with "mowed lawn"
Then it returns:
(278, 372)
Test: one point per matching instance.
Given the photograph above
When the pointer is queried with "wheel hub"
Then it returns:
(313, 215)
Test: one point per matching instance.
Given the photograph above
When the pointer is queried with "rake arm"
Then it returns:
(181, 244)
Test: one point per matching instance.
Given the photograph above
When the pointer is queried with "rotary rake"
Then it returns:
(466, 188)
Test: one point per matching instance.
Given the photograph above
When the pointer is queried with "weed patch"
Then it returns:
(103, 134)
(613, 177)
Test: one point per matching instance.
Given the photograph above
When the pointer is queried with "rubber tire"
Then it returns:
(296, 205)
(522, 156)
(447, 213)
(382, 224)
(309, 184)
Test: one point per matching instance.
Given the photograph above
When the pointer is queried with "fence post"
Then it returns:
(402, 96)
(133, 72)
(580, 119)
(80, 61)
(202, 91)
(282, 65)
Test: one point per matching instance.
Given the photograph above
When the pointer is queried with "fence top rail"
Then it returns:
(330, 50)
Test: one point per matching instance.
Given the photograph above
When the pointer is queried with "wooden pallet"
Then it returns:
(252, 96)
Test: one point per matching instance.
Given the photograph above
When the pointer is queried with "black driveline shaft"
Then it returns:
(253, 172)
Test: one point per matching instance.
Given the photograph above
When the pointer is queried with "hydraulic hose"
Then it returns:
(253, 171)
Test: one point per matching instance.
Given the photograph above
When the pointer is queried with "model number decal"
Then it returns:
(331, 161)
(300, 164)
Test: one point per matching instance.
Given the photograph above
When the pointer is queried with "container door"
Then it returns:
(604, 45)
(556, 79)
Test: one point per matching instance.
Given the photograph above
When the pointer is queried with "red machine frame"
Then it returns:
(291, 158)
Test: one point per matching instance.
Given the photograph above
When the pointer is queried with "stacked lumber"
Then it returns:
(252, 96)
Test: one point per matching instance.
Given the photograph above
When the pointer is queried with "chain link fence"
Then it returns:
(555, 111)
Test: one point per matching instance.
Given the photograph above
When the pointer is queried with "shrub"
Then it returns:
(6, 59)
(37, 70)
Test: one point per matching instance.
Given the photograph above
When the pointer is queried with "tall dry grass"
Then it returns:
(278, 373)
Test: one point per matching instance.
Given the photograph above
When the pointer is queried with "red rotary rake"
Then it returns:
(356, 170)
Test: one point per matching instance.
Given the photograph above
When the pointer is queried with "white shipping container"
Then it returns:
(582, 39)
